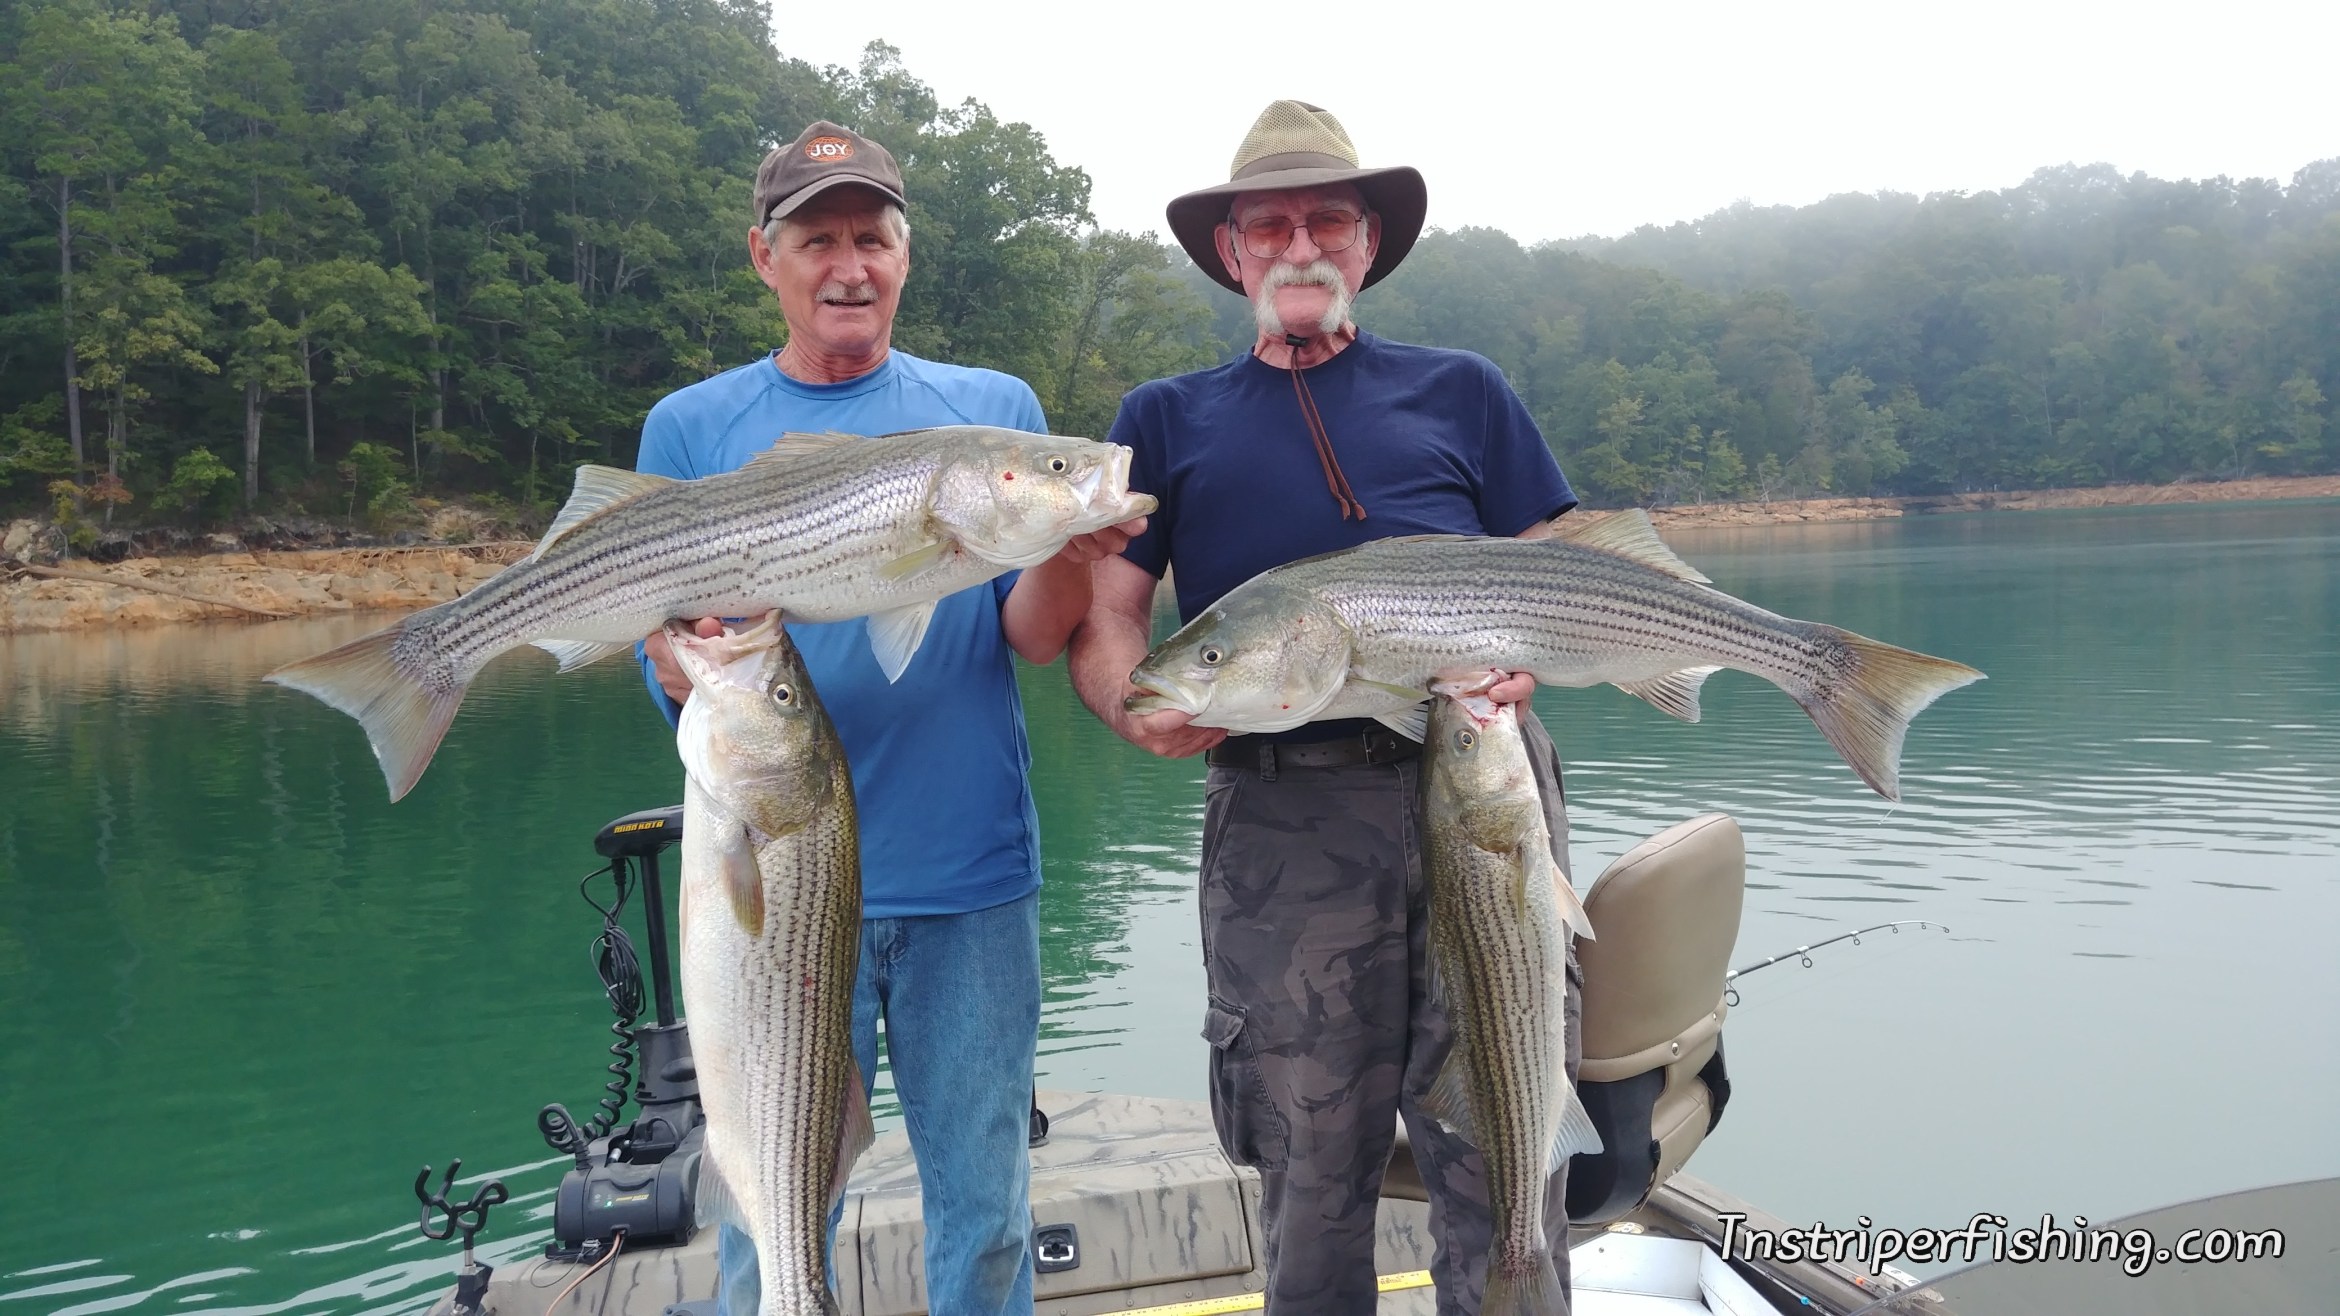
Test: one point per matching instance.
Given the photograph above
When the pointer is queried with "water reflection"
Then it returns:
(262, 996)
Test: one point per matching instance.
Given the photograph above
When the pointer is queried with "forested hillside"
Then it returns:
(334, 254)
(2082, 328)
(343, 259)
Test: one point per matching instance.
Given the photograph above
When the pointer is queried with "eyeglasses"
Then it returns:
(1332, 230)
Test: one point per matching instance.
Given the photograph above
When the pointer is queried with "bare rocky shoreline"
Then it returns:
(289, 584)
(305, 582)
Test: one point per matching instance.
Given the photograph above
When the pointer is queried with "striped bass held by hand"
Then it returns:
(771, 934)
(1364, 631)
(823, 527)
(1501, 915)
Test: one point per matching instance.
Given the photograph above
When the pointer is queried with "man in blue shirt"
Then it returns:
(1313, 911)
(950, 849)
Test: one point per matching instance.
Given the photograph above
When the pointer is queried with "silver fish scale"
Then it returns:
(686, 549)
(772, 1020)
(1577, 616)
(1501, 967)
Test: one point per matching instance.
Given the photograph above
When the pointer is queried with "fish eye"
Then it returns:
(1058, 465)
(1465, 738)
(1212, 655)
(784, 695)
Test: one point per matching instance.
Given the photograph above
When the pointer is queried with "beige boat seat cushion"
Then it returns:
(1665, 916)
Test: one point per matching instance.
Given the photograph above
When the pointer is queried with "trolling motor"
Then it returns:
(639, 1179)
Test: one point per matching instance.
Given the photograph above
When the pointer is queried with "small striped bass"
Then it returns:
(1362, 632)
(771, 937)
(823, 527)
(1501, 914)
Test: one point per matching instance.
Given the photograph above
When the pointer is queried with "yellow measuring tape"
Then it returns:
(1410, 1279)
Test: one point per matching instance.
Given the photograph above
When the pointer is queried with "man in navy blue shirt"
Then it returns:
(1313, 912)
(950, 847)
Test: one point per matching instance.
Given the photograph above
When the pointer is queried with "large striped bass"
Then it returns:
(1362, 632)
(1501, 914)
(823, 527)
(771, 932)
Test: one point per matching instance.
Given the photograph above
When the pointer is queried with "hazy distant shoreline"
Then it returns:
(333, 580)
(1790, 511)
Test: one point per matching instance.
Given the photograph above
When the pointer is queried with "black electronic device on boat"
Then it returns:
(640, 1178)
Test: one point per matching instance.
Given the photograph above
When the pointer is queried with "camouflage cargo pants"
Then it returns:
(1314, 921)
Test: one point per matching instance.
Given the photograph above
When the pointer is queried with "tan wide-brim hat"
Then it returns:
(1295, 144)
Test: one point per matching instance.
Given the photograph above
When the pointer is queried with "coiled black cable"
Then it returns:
(621, 982)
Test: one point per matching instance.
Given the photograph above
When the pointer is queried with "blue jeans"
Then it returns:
(961, 998)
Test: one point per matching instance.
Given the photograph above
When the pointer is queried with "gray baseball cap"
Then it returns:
(823, 156)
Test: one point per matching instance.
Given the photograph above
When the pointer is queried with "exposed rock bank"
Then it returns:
(289, 583)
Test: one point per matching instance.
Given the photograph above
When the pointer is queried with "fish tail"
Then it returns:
(404, 714)
(1866, 697)
(1532, 1288)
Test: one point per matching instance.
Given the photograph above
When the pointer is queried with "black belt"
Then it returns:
(1266, 757)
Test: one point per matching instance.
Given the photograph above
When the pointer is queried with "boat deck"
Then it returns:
(1138, 1211)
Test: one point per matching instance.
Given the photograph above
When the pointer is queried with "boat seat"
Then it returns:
(1666, 915)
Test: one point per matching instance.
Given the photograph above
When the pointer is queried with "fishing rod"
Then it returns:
(1804, 953)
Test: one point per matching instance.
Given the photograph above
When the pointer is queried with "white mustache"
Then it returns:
(1320, 273)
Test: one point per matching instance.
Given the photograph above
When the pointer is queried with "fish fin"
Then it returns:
(855, 1132)
(1542, 867)
(1413, 724)
(1536, 1293)
(742, 880)
(792, 445)
(404, 719)
(598, 489)
(1628, 533)
(1449, 1099)
(894, 636)
(713, 1203)
(1674, 693)
(1577, 1135)
(574, 654)
(1405, 692)
(914, 561)
(1876, 689)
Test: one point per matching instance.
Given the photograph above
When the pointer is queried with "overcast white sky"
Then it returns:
(1561, 119)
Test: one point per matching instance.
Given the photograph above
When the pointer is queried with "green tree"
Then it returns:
(93, 99)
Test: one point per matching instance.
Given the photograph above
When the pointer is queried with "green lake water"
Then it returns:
(243, 998)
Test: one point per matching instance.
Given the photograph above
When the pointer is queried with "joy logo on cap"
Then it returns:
(828, 150)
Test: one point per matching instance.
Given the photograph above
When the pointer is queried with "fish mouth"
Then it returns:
(711, 661)
(1469, 693)
(1159, 695)
(1105, 494)
(1086, 487)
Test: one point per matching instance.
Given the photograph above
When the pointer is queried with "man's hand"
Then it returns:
(1513, 689)
(670, 677)
(1104, 543)
(1166, 733)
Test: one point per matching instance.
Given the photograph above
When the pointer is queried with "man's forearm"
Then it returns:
(1104, 649)
(1043, 609)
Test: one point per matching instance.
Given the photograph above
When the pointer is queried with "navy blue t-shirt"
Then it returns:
(1432, 441)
